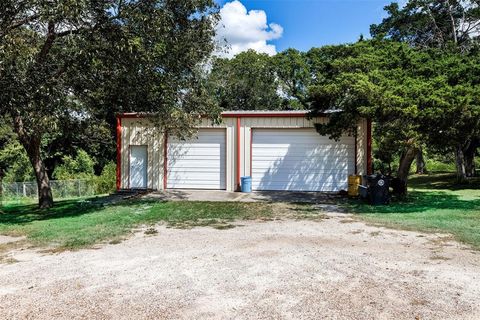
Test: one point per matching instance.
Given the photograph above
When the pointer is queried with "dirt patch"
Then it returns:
(437, 256)
(5, 240)
(286, 268)
(8, 245)
(151, 231)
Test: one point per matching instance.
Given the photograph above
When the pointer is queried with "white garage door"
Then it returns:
(198, 163)
(300, 160)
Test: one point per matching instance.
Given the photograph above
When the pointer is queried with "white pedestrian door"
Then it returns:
(138, 167)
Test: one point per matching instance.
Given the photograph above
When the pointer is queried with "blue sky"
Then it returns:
(311, 23)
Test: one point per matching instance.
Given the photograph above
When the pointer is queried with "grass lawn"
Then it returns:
(81, 223)
(434, 204)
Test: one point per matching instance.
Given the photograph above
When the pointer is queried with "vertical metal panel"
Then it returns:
(281, 122)
(136, 131)
(242, 151)
(229, 157)
(118, 182)
(125, 154)
(155, 163)
(246, 151)
(160, 151)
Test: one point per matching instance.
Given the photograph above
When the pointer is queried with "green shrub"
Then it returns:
(18, 166)
(106, 182)
(434, 165)
(80, 167)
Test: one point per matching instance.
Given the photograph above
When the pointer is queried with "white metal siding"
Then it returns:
(300, 160)
(140, 131)
(197, 163)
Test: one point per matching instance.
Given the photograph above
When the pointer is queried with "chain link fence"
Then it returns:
(24, 192)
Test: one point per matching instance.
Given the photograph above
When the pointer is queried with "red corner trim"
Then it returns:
(165, 161)
(238, 152)
(119, 153)
(369, 147)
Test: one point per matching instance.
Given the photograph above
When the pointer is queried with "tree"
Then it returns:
(378, 80)
(84, 58)
(293, 73)
(432, 23)
(95, 135)
(447, 25)
(14, 164)
(245, 82)
(450, 114)
(415, 97)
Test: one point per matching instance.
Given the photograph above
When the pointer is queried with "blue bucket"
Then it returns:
(246, 184)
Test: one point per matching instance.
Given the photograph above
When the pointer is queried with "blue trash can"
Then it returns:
(246, 184)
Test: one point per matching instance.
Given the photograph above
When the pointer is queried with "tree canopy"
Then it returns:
(414, 97)
(245, 82)
(448, 25)
(67, 61)
(432, 23)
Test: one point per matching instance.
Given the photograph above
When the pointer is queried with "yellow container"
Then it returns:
(353, 182)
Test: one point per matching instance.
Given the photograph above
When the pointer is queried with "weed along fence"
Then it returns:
(22, 192)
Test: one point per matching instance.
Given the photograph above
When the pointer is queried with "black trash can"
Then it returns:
(378, 189)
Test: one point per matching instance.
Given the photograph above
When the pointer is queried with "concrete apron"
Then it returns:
(259, 196)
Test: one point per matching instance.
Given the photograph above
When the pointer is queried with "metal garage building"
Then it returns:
(279, 150)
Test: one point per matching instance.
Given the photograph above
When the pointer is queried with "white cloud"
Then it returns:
(243, 30)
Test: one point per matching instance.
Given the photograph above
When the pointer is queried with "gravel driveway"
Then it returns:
(335, 268)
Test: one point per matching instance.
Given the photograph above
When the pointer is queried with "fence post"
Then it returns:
(1, 187)
(24, 190)
(78, 187)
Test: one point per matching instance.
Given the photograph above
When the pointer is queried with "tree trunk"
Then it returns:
(452, 21)
(421, 166)
(405, 163)
(31, 144)
(470, 165)
(469, 154)
(460, 164)
(45, 197)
